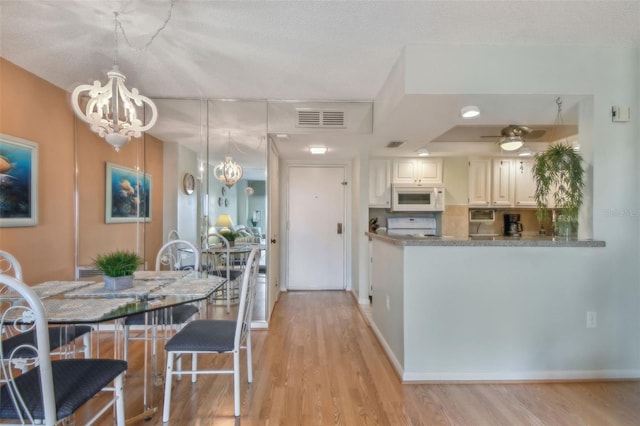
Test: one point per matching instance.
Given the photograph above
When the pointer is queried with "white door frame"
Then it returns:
(284, 228)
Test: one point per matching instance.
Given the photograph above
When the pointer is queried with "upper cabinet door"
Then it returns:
(502, 193)
(380, 182)
(418, 170)
(525, 185)
(480, 182)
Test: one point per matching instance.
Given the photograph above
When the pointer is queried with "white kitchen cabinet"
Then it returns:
(417, 170)
(525, 185)
(380, 182)
(479, 182)
(503, 182)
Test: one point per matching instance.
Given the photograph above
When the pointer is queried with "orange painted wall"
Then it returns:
(35, 110)
(47, 251)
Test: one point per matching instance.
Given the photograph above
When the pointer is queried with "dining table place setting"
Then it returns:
(141, 289)
(160, 275)
(193, 287)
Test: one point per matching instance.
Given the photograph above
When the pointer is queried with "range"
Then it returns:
(422, 226)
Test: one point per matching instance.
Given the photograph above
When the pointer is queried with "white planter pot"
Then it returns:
(118, 283)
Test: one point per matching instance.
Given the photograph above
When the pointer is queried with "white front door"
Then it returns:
(316, 234)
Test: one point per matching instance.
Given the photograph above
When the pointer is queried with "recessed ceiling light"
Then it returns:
(422, 152)
(318, 150)
(282, 136)
(470, 111)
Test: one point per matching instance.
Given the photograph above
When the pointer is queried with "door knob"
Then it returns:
(273, 241)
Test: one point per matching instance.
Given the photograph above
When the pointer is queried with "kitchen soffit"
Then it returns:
(491, 133)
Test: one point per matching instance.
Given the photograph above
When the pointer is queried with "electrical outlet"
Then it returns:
(592, 321)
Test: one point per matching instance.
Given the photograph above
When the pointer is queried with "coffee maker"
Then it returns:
(512, 225)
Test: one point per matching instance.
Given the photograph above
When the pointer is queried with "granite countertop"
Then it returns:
(498, 241)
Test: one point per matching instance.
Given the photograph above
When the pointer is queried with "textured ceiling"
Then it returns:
(293, 50)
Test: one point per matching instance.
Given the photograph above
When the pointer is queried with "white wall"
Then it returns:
(180, 210)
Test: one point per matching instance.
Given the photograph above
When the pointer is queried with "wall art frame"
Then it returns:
(18, 182)
(128, 195)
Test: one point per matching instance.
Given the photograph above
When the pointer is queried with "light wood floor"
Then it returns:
(320, 364)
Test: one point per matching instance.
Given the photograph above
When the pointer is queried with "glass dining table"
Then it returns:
(88, 302)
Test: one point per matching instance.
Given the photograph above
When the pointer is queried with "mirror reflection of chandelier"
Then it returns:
(228, 172)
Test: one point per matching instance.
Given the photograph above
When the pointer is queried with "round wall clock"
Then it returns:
(188, 183)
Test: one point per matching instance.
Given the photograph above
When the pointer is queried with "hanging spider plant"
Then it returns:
(558, 172)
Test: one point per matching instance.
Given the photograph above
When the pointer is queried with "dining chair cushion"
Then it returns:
(75, 382)
(204, 335)
(178, 315)
(58, 336)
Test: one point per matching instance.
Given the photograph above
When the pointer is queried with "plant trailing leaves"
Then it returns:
(559, 171)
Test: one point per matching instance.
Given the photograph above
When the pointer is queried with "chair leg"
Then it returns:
(236, 383)
(86, 341)
(249, 359)
(194, 367)
(125, 341)
(119, 395)
(168, 380)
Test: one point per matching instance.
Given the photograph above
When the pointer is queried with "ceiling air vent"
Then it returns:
(320, 119)
(395, 144)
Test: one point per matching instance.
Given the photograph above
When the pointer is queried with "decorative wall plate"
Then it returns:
(188, 183)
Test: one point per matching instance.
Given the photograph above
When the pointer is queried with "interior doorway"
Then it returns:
(316, 228)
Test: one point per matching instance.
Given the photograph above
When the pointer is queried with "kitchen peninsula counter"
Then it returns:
(498, 241)
(491, 309)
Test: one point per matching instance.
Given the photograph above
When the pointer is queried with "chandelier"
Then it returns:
(228, 171)
(112, 109)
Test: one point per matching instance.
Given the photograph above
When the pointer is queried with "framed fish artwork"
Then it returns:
(128, 195)
(18, 182)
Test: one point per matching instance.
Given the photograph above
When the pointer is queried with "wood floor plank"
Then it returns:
(319, 363)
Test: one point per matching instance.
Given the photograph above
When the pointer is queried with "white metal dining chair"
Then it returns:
(61, 338)
(171, 256)
(48, 391)
(207, 336)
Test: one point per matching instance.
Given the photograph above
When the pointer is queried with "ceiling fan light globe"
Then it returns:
(511, 143)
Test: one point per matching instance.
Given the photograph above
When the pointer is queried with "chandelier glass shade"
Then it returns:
(112, 110)
(511, 143)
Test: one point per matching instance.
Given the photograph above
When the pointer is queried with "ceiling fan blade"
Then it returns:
(491, 136)
(535, 134)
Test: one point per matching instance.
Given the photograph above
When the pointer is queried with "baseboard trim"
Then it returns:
(387, 350)
(521, 376)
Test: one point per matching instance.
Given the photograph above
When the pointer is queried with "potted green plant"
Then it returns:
(230, 236)
(118, 268)
(558, 173)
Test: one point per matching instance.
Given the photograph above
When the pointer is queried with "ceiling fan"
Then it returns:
(512, 137)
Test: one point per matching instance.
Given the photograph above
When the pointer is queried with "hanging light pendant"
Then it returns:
(228, 172)
(112, 109)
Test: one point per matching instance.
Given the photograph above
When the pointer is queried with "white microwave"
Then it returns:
(417, 198)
